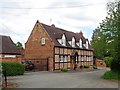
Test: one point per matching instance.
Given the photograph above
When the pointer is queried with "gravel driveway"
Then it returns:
(44, 79)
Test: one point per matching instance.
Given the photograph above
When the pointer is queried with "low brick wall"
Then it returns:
(100, 63)
(19, 59)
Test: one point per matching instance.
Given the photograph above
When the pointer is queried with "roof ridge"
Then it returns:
(60, 28)
(4, 36)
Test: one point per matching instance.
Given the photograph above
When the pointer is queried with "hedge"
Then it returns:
(111, 75)
(13, 68)
(64, 69)
(84, 66)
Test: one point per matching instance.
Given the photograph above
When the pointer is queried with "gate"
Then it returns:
(40, 64)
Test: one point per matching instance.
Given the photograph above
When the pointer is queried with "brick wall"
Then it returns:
(100, 63)
(50, 64)
(19, 59)
(33, 47)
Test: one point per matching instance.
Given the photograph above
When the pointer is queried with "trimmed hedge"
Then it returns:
(13, 68)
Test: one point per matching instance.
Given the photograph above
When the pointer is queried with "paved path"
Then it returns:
(91, 79)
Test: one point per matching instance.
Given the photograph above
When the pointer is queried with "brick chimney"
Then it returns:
(81, 33)
(52, 25)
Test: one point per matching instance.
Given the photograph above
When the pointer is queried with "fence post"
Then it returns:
(5, 75)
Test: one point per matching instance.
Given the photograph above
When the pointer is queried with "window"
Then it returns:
(73, 42)
(63, 40)
(66, 58)
(89, 58)
(80, 41)
(10, 56)
(82, 58)
(61, 58)
(87, 44)
(43, 40)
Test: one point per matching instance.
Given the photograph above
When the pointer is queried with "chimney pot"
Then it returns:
(81, 33)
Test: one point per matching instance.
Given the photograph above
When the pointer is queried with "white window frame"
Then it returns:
(65, 58)
(63, 42)
(87, 44)
(73, 42)
(9, 56)
(43, 40)
(61, 58)
(80, 42)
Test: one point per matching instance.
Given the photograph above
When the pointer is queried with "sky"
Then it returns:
(18, 17)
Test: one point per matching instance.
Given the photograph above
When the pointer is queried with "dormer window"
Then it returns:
(73, 42)
(87, 44)
(80, 41)
(43, 40)
(63, 40)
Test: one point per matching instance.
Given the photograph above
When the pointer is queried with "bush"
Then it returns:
(111, 75)
(107, 60)
(75, 66)
(64, 69)
(12, 68)
(115, 65)
(81, 66)
(94, 67)
(86, 66)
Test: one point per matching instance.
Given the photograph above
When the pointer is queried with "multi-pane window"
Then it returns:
(43, 40)
(63, 58)
(82, 58)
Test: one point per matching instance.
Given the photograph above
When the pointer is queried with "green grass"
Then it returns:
(111, 75)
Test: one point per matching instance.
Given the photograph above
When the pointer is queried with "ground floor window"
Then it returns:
(63, 58)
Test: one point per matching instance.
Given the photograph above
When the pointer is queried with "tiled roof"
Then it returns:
(7, 46)
(57, 33)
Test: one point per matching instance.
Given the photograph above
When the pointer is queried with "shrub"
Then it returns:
(12, 68)
(94, 67)
(64, 69)
(75, 66)
(111, 75)
(81, 66)
(86, 66)
(107, 60)
(115, 65)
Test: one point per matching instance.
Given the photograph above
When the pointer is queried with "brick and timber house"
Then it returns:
(8, 50)
(51, 48)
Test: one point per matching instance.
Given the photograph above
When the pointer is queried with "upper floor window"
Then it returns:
(87, 44)
(63, 42)
(43, 40)
(80, 41)
(73, 42)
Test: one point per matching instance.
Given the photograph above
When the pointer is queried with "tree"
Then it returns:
(106, 37)
(19, 45)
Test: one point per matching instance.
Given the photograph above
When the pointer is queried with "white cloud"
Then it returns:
(20, 21)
